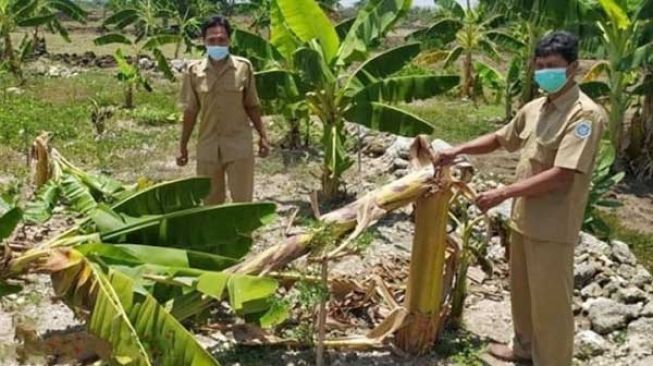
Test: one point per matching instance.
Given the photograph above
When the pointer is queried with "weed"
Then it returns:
(460, 347)
(639, 242)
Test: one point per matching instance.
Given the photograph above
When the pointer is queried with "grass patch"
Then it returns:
(639, 242)
(456, 120)
(63, 106)
(460, 347)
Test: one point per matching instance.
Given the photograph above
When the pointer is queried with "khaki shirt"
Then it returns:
(565, 133)
(220, 95)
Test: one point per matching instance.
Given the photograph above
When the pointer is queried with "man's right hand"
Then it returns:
(182, 158)
(444, 157)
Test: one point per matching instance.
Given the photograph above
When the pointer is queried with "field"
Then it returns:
(140, 144)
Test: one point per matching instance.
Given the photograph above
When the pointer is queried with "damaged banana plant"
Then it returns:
(132, 269)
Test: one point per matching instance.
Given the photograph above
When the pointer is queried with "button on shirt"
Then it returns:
(220, 94)
(563, 133)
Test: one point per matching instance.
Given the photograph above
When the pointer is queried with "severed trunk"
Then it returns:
(427, 270)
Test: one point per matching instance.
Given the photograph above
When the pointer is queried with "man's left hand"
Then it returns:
(263, 148)
(492, 198)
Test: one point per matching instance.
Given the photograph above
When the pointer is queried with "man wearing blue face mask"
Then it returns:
(558, 136)
(221, 91)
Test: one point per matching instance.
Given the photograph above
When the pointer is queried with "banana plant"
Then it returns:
(146, 18)
(307, 59)
(15, 14)
(626, 39)
(467, 33)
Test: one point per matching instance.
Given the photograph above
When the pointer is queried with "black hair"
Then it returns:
(214, 21)
(560, 43)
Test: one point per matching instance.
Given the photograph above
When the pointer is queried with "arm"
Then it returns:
(254, 114)
(190, 117)
(542, 183)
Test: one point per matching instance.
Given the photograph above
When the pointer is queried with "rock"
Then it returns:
(399, 148)
(610, 287)
(400, 173)
(399, 164)
(647, 310)
(622, 254)
(179, 65)
(608, 315)
(502, 211)
(145, 63)
(591, 290)
(583, 273)
(14, 90)
(626, 271)
(631, 295)
(640, 337)
(592, 245)
(589, 344)
(642, 277)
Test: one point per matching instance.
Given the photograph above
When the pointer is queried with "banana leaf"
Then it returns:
(257, 49)
(166, 197)
(222, 230)
(385, 64)
(307, 21)
(40, 209)
(69, 8)
(312, 67)
(386, 118)
(112, 38)
(405, 89)
(77, 194)
(10, 216)
(595, 89)
(281, 36)
(277, 85)
(438, 34)
(139, 329)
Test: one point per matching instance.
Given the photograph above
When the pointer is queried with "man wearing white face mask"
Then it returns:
(558, 136)
(221, 91)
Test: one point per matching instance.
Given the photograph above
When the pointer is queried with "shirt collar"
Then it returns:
(207, 65)
(564, 101)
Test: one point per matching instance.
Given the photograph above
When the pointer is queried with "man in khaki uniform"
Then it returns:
(558, 136)
(221, 91)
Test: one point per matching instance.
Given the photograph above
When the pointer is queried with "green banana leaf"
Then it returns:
(222, 230)
(40, 209)
(405, 89)
(139, 329)
(277, 85)
(372, 22)
(336, 158)
(112, 38)
(166, 197)
(438, 34)
(135, 255)
(307, 21)
(312, 68)
(159, 40)
(453, 56)
(77, 194)
(122, 18)
(595, 89)
(256, 48)
(69, 8)
(343, 28)
(386, 118)
(385, 64)
(36, 21)
(10, 216)
(281, 36)
(162, 64)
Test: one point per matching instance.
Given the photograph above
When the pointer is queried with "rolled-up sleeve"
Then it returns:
(251, 99)
(188, 100)
(508, 135)
(580, 143)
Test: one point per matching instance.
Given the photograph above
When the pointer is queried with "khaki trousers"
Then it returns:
(541, 284)
(238, 174)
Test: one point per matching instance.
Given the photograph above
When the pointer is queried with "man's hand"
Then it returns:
(263, 147)
(492, 198)
(182, 158)
(444, 157)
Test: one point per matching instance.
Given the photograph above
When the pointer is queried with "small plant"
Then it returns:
(603, 180)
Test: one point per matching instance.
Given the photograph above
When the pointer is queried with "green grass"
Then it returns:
(455, 120)
(639, 242)
(63, 106)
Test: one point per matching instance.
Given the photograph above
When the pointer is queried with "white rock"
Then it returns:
(622, 253)
(640, 337)
(592, 245)
(642, 277)
(589, 344)
(631, 295)
(647, 310)
(607, 315)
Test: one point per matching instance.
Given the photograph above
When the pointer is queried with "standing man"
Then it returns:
(221, 91)
(558, 136)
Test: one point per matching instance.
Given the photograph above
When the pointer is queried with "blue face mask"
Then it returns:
(551, 80)
(217, 52)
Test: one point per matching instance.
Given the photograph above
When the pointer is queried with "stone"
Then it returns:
(647, 310)
(589, 344)
(592, 245)
(622, 254)
(583, 274)
(400, 173)
(646, 361)
(399, 164)
(640, 337)
(626, 271)
(642, 277)
(400, 148)
(591, 290)
(502, 211)
(631, 295)
(608, 315)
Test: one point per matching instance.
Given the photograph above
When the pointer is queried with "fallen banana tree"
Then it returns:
(141, 264)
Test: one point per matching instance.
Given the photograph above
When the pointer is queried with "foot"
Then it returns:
(505, 353)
